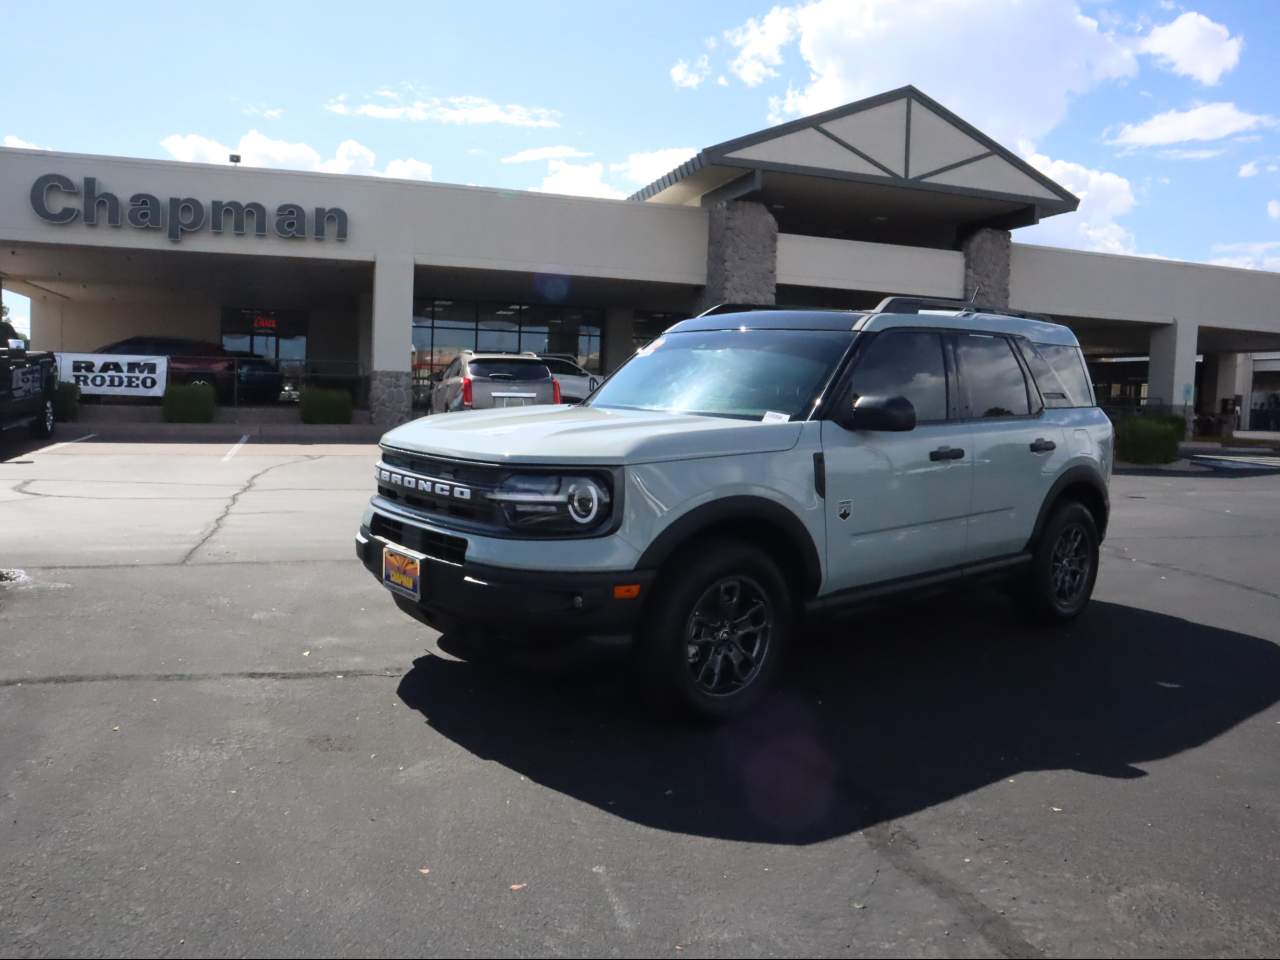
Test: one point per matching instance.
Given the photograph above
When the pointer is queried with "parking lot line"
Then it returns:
(235, 448)
(67, 443)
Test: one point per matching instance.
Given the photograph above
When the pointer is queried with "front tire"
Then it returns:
(1064, 566)
(719, 623)
(42, 426)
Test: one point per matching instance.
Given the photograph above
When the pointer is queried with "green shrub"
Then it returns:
(189, 403)
(66, 402)
(1149, 439)
(320, 405)
(1176, 424)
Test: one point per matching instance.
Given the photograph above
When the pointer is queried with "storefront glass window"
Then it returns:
(443, 327)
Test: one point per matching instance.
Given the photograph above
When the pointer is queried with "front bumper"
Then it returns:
(520, 606)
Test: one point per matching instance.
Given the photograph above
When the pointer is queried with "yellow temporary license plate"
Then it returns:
(402, 572)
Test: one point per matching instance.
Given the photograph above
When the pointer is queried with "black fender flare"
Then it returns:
(751, 512)
(1088, 475)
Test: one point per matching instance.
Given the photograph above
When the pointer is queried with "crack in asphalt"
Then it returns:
(1120, 555)
(899, 848)
(218, 521)
(67, 679)
(21, 489)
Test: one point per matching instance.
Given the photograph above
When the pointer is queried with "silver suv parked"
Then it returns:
(576, 384)
(480, 381)
(747, 469)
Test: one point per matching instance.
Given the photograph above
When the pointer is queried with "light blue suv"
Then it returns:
(743, 470)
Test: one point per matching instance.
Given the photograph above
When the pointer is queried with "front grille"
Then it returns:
(439, 546)
(475, 480)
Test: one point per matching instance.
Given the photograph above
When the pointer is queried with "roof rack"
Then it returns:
(748, 307)
(921, 304)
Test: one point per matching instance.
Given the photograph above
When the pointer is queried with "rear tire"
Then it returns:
(1064, 566)
(717, 628)
(42, 426)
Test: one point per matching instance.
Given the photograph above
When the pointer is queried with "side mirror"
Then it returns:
(891, 414)
(17, 347)
(592, 384)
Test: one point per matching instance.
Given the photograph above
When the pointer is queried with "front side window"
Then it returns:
(1060, 373)
(905, 363)
(742, 374)
(993, 382)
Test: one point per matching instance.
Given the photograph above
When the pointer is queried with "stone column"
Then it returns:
(1171, 376)
(742, 254)
(1230, 380)
(390, 381)
(986, 267)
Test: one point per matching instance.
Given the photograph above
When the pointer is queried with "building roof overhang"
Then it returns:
(898, 155)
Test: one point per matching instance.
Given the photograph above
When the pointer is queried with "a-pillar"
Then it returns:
(987, 263)
(390, 380)
(742, 254)
(1171, 377)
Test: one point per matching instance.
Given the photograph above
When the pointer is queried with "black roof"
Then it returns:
(771, 319)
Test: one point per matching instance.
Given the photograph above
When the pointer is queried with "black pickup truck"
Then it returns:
(27, 383)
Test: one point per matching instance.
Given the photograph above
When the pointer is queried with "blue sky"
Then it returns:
(1161, 115)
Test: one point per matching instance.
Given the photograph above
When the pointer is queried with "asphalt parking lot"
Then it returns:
(219, 736)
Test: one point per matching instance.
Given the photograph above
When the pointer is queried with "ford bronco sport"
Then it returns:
(744, 469)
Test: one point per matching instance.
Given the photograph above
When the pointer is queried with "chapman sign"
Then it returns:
(114, 375)
(59, 199)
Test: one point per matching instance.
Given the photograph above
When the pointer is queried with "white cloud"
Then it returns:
(1048, 53)
(545, 153)
(578, 179)
(691, 76)
(258, 150)
(11, 141)
(262, 110)
(759, 44)
(1254, 167)
(1264, 255)
(1207, 121)
(1193, 153)
(1273, 209)
(1105, 197)
(1194, 46)
(408, 169)
(453, 110)
(644, 168)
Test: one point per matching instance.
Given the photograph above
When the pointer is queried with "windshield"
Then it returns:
(728, 373)
(508, 369)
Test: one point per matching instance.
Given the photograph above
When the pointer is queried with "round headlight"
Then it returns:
(584, 499)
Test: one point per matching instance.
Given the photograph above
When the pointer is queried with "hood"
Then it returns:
(594, 435)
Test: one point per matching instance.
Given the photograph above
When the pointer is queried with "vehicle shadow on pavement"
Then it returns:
(876, 718)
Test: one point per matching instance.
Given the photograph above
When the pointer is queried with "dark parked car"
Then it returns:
(234, 375)
(27, 382)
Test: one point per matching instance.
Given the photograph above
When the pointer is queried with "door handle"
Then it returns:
(1041, 445)
(946, 453)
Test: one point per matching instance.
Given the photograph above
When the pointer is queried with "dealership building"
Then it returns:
(378, 282)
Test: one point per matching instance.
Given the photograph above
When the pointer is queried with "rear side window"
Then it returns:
(909, 364)
(508, 369)
(563, 368)
(993, 384)
(1060, 374)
